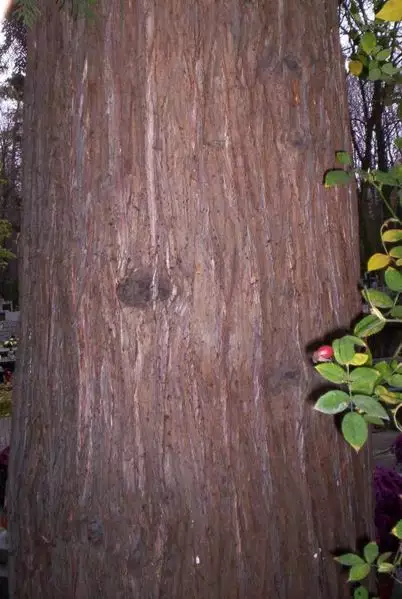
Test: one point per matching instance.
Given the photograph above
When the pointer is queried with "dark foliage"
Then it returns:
(15, 38)
(388, 506)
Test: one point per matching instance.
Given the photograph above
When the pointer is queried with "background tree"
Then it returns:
(179, 255)
(12, 65)
(373, 107)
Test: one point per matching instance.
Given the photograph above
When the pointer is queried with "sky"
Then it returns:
(4, 6)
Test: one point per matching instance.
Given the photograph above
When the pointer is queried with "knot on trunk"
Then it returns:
(140, 287)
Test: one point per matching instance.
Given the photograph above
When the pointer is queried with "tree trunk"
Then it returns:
(179, 256)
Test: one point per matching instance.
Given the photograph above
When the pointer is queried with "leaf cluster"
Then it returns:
(28, 11)
(360, 566)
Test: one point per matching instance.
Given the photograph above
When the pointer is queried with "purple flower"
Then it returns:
(388, 506)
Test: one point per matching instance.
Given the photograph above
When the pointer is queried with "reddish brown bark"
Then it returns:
(179, 255)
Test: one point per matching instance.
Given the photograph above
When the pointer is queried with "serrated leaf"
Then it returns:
(337, 177)
(331, 372)
(392, 235)
(344, 349)
(393, 279)
(374, 74)
(389, 69)
(359, 359)
(396, 312)
(360, 593)
(368, 42)
(391, 11)
(385, 568)
(396, 380)
(343, 158)
(356, 340)
(370, 406)
(383, 54)
(332, 402)
(355, 67)
(355, 432)
(376, 312)
(369, 325)
(377, 262)
(397, 530)
(386, 396)
(349, 559)
(384, 369)
(384, 557)
(396, 252)
(363, 379)
(373, 420)
(370, 552)
(359, 572)
(378, 298)
(385, 177)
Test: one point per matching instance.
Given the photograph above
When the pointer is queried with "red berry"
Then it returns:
(323, 354)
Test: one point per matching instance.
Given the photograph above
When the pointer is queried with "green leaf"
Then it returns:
(360, 359)
(389, 69)
(393, 279)
(391, 11)
(396, 252)
(331, 372)
(343, 158)
(344, 349)
(378, 298)
(359, 572)
(373, 420)
(374, 74)
(392, 235)
(383, 54)
(397, 530)
(355, 432)
(363, 379)
(396, 312)
(396, 380)
(377, 262)
(370, 552)
(332, 402)
(369, 325)
(350, 559)
(384, 369)
(337, 177)
(397, 171)
(384, 557)
(386, 568)
(370, 406)
(368, 42)
(386, 178)
(356, 340)
(386, 396)
(360, 593)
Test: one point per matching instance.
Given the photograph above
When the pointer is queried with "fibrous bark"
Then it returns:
(179, 256)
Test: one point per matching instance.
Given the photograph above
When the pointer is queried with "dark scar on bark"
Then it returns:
(137, 288)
